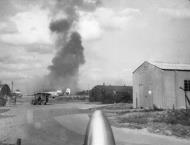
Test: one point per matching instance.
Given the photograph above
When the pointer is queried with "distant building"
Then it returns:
(158, 85)
(111, 94)
(5, 92)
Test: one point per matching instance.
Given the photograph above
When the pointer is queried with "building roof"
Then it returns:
(168, 66)
(171, 66)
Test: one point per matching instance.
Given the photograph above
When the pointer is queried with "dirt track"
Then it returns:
(36, 125)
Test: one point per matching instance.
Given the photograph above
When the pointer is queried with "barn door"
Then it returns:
(149, 101)
(147, 98)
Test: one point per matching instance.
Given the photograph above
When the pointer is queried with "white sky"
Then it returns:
(118, 36)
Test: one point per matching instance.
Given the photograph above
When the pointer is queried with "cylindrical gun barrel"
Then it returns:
(99, 131)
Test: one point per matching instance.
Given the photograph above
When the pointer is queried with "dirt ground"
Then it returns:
(65, 123)
(36, 125)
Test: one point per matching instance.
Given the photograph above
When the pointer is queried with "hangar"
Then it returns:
(158, 85)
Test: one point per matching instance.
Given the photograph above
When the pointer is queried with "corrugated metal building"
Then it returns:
(111, 94)
(158, 84)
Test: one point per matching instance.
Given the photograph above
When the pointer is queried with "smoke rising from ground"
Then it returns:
(68, 59)
(65, 65)
(70, 52)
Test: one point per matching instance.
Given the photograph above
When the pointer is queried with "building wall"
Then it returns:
(148, 86)
(154, 86)
(173, 95)
(169, 81)
(157, 87)
(180, 97)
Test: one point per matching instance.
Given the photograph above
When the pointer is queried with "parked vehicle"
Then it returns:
(18, 93)
(40, 99)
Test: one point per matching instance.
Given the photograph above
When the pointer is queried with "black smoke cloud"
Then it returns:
(67, 61)
(70, 52)
(60, 26)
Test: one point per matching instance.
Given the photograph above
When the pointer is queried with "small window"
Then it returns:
(187, 85)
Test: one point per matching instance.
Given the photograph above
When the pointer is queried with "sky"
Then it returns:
(117, 36)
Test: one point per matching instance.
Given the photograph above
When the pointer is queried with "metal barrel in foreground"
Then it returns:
(99, 131)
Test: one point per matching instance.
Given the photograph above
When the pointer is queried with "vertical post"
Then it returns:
(185, 100)
(175, 99)
(12, 86)
(115, 96)
(173, 107)
(88, 92)
(18, 141)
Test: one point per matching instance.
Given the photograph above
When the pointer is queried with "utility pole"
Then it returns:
(12, 86)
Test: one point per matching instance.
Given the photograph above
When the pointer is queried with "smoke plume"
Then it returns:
(70, 52)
